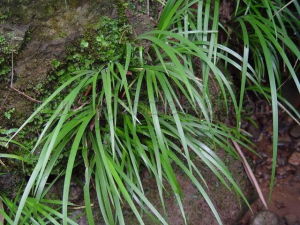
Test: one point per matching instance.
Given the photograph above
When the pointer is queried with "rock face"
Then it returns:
(49, 41)
(14, 34)
(38, 38)
(39, 32)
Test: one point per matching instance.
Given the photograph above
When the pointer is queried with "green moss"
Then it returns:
(8, 114)
(24, 10)
(5, 55)
(102, 43)
(3, 17)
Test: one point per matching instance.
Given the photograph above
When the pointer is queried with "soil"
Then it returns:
(229, 206)
(285, 198)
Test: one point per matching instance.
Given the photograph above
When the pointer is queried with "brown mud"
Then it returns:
(285, 199)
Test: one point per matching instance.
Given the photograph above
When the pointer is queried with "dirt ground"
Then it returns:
(285, 199)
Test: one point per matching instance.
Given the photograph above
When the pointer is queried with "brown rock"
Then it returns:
(295, 159)
(284, 139)
(265, 218)
(284, 171)
(297, 146)
(295, 131)
(291, 219)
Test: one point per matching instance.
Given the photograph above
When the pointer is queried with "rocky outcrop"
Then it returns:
(37, 38)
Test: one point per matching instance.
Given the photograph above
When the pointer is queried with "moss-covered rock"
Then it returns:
(5, 54)
(39, 33)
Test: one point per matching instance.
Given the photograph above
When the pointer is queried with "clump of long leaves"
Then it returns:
(269, 56)
(116, 136)
(35, 211)
(267, 32)
(133, 117)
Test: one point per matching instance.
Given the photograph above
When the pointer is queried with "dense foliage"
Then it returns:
(151, 108)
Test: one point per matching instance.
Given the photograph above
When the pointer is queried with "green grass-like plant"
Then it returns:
(39, 212)
(122, 118)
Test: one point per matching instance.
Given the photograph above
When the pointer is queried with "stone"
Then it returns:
(294, 159)
(283, 171)
(265, 218)
(295, 132)
(14, 34)
(296, 177)
(297, 146)
(291, 219)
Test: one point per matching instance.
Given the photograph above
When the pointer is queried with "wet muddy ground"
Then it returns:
(285, 199)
